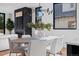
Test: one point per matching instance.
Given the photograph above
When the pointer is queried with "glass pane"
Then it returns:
(65, 16)
(2, 24)
(38, 14)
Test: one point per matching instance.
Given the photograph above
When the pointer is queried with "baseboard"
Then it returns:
(4, 50)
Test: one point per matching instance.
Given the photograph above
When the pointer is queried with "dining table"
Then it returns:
(28, 40)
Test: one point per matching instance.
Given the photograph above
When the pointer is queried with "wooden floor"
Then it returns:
(2, 53)
(64, 52)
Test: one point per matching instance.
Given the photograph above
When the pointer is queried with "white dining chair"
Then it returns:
(1, 34)
(13, 36)
(38, 48)
(55, 46)
(26, 36)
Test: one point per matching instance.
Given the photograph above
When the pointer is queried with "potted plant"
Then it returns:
(41, 26)
(9, 25)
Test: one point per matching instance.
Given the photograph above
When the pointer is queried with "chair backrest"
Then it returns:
(10, 44)
(1, 34)
(26, 36)
(38, 48)
(57, 45)
(13, 36)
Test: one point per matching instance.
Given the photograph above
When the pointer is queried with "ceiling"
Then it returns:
(10, 7)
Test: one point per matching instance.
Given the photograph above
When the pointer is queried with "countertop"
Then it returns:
(74, 42)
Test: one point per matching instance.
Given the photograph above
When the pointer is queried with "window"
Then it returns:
(72, 5)
(2, 23)
(38, 14)
(64, 18)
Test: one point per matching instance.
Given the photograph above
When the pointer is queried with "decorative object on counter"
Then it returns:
(10, 25)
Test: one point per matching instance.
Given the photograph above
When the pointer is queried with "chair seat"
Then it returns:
(55, 46)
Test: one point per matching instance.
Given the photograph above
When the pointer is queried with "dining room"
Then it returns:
(37, 29)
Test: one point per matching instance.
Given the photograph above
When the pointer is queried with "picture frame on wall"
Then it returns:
(64, 16)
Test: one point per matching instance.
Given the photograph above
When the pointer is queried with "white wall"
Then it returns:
(68, 34)
(7, 15)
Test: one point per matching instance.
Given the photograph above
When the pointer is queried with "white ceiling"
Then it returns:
(10, 7)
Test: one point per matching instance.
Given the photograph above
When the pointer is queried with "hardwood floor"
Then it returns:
(63, 51)
(4, 52)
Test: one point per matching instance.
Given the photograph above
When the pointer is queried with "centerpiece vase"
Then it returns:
(40, 33)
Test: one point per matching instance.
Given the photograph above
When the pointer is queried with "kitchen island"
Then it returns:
(73, 47)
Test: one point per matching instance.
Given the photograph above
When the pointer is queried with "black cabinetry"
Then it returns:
(22, 17)
(72, 50)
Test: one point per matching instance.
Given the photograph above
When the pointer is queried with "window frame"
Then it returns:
(4, 22)
(64, 28)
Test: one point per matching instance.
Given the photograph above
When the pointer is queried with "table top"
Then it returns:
(20, 40)
(24, 40)
(74, 42)
(49, 38)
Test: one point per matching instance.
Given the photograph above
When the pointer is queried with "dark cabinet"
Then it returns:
(72, 50)
(22, 17)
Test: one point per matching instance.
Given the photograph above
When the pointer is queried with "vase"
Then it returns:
(40, 33)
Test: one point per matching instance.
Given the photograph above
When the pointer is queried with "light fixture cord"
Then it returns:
(39, 4)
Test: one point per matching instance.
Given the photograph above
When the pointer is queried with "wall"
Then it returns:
(68, 34)
(7, 15)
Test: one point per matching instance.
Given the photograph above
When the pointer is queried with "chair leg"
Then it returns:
(16, 54)
(28, 53)
(10, 53)
(25, 54)
(48, 54)
(60, 53)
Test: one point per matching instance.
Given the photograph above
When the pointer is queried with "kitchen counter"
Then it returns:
(73, 47)
(74, 42)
